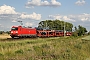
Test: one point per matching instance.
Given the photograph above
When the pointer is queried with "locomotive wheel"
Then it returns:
(12, 36)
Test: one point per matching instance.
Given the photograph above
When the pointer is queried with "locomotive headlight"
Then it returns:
(11, 31)
(16, 31)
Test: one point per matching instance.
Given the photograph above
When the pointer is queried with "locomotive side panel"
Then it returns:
(28, 32)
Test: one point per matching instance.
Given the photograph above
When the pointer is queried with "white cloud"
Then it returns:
(9, 17)
(55, 3)
(31, 16)
(45, 3)
(80, 2)
(1, 25)
(61, 17)
(32, 3)
(84, 17)
(57, 16)
(9, 13)
(73, 18)
(14, 20)
(67, 18)
(7, 10)
(29, 24)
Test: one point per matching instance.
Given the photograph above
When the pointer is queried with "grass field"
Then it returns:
(86, 38)
(55, 48)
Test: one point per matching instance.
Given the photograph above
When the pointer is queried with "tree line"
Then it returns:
(3, 32)
(55, 25)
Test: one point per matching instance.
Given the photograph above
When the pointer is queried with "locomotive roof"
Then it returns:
(16, 26)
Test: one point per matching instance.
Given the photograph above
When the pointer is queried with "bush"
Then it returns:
(19, 51)
(74, 34)
(78, 46)
(29, 49)
(1, 54)
(8, 32)
(1, 32)
(45, 46)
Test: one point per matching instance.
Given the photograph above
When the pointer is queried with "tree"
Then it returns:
(1, 32)
(81, 30)
(56, 25)
(8, 32)
(75, 28)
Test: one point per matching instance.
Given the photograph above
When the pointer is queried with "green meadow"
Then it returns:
(54, 48)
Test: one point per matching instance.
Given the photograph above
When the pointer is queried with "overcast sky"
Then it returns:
(31, 12)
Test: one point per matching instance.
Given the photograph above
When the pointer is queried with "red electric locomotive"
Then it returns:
(19, 31)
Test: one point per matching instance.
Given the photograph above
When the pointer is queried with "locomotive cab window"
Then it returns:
(14, 28)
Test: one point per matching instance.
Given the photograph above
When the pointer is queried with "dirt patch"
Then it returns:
(4, 36)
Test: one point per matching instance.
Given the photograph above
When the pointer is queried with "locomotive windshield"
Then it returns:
(14, 28)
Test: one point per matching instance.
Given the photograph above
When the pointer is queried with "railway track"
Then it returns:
(16, 39)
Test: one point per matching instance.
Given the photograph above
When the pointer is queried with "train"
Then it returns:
(20, 32)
